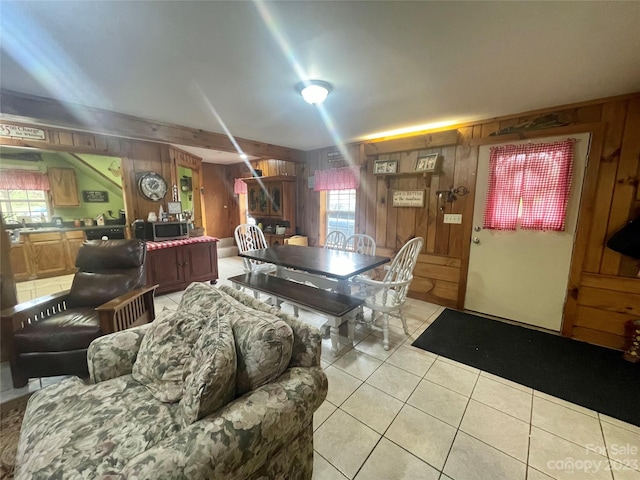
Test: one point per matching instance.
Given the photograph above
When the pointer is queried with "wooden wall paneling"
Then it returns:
(21, 107)
(406, 216)
(84, 140)
(414, 142)
(433, 214)
(302, 196)
(381, 192)
(460, 236)
(608, 160)
(488, 128)
(423, 214)
(366, 201)
(583, 229)
(603, 320)
(625, 186)
(65, 138)
(217, 200)
(598, 337)
(614, 301)
(445, 182)
(392, 213)
(506, 123)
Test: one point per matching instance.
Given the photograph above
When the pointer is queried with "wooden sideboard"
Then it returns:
(174, 265)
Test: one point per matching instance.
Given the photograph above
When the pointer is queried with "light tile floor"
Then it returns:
(409, 414)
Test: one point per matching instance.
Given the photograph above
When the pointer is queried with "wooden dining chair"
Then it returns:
(388, 296)
(335, 240)
(250, 237)
(361, 243)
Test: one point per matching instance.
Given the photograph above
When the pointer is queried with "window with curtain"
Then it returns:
(339, 187)
(23, 193)
(24, 203)
(529, 184)
(341, 211)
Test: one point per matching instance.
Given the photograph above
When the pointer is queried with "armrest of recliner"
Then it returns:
(35, 307)
(113, 355)
(128, 310)
(238, 439)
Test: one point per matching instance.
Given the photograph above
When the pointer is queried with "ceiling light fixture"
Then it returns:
(314, 91)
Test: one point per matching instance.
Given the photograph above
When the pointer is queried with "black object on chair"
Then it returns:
(50, 335)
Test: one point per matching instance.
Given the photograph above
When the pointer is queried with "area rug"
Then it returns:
(11, 414)
(594, 377)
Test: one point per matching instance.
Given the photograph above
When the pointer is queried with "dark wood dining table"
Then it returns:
(317, 264)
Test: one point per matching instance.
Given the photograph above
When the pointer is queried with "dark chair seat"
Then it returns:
(72, 329)
(49, 336)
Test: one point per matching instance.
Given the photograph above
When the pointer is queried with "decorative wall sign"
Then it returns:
(18, 131)
(408, 198)
(380, 167)
(428, 163)
(333, 157)
(95, 196)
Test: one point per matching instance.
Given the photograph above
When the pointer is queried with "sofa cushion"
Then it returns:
(307, 339)
(263, 341)
(164, 350)
(90, 431)
(210, 372)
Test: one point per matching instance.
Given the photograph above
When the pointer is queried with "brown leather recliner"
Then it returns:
(49, 336)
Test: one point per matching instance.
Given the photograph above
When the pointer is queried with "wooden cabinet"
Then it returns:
(174, 268)
(271, 199)
(19, 262)
(48, 254)
(74, 240)
(64, 189)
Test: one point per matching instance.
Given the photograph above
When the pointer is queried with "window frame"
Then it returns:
(11, 217)
(324, 212)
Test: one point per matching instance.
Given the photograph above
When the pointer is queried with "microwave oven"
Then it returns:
(159, 231)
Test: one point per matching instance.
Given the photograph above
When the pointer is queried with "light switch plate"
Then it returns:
(452, 218)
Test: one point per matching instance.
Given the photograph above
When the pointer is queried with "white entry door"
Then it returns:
(522, 275)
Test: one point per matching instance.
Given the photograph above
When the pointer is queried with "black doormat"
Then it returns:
(594, 377)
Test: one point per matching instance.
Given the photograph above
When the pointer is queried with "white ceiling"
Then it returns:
(392, 64)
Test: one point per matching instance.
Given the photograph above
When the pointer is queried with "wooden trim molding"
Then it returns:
(417, 142)
(31, 109)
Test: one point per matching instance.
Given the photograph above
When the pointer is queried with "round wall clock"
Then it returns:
(152, 186)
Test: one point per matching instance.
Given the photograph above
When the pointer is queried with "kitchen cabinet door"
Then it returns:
(19, 262)
(64, 189)
(75, 239)
(48, 254)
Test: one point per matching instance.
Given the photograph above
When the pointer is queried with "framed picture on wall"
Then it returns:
(381, 167)
(174, 208)
(428, 163)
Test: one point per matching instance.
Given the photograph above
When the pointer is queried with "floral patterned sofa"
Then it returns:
(224, 387)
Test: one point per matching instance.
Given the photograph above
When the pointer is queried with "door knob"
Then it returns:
(476, 240)
(477, 229)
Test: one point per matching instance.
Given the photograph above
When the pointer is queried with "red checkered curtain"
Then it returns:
(506, 168)
(239, 187)
(347, 178)
(23, 180)
(539, 175)
(546, 185)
